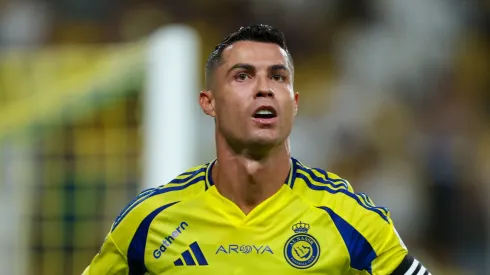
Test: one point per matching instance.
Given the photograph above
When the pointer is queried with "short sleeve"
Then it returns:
(368, 232)
(390, 251)
(109, 260)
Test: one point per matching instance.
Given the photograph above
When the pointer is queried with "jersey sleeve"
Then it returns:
(391, 254)
(368, 232)
(109, 261)
(389, 248)
(112, 257)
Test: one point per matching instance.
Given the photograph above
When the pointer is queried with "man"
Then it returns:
(253, 210)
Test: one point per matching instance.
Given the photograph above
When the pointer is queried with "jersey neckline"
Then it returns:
(289, 181)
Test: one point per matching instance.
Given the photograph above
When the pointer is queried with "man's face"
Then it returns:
(252, 97)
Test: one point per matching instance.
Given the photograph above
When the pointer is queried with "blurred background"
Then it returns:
(394, 97)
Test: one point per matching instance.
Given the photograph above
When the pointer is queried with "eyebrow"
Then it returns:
(279, 67)
(244, 66)
(250, 67)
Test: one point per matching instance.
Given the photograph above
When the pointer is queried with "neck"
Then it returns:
(248, 180)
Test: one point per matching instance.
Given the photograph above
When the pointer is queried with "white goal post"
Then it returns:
(170, 104)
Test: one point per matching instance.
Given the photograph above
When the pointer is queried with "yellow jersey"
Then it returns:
(314, 224)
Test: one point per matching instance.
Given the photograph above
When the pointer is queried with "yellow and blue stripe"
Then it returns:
(136, 250)
(317, 179)
(292, 173)
(181, 182)
(361, 252)
(209, 179)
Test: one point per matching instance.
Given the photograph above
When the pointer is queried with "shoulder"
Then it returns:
(317, 179)
(153, 201)
(367, 229)
(327, 190)
(317, 185)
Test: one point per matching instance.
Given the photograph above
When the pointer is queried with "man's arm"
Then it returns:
(410, 266)
(391, 256)
(109, 261)
(112, 259)
(388, 254)
(370, 236)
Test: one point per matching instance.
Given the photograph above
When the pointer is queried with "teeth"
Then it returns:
(264, 112)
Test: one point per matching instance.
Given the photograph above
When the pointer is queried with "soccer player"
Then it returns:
(254, 209)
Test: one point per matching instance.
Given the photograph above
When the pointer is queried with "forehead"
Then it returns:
(254, 53)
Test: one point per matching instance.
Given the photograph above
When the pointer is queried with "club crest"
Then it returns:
(301, 250)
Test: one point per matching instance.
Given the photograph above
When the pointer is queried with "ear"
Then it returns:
(296, 100)
(206, 101)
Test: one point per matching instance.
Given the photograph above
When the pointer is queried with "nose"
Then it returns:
(263, 88)
(265, 92)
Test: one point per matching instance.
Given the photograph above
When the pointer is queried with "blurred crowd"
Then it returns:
(394, 97)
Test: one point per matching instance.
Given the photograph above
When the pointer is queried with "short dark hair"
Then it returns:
(258, 33)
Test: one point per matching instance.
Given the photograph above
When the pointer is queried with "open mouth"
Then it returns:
(265, 113)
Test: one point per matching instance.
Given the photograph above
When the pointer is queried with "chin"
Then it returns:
(265, 140)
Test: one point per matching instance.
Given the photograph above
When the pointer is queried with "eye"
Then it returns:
(279, 77)
(242, 76)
